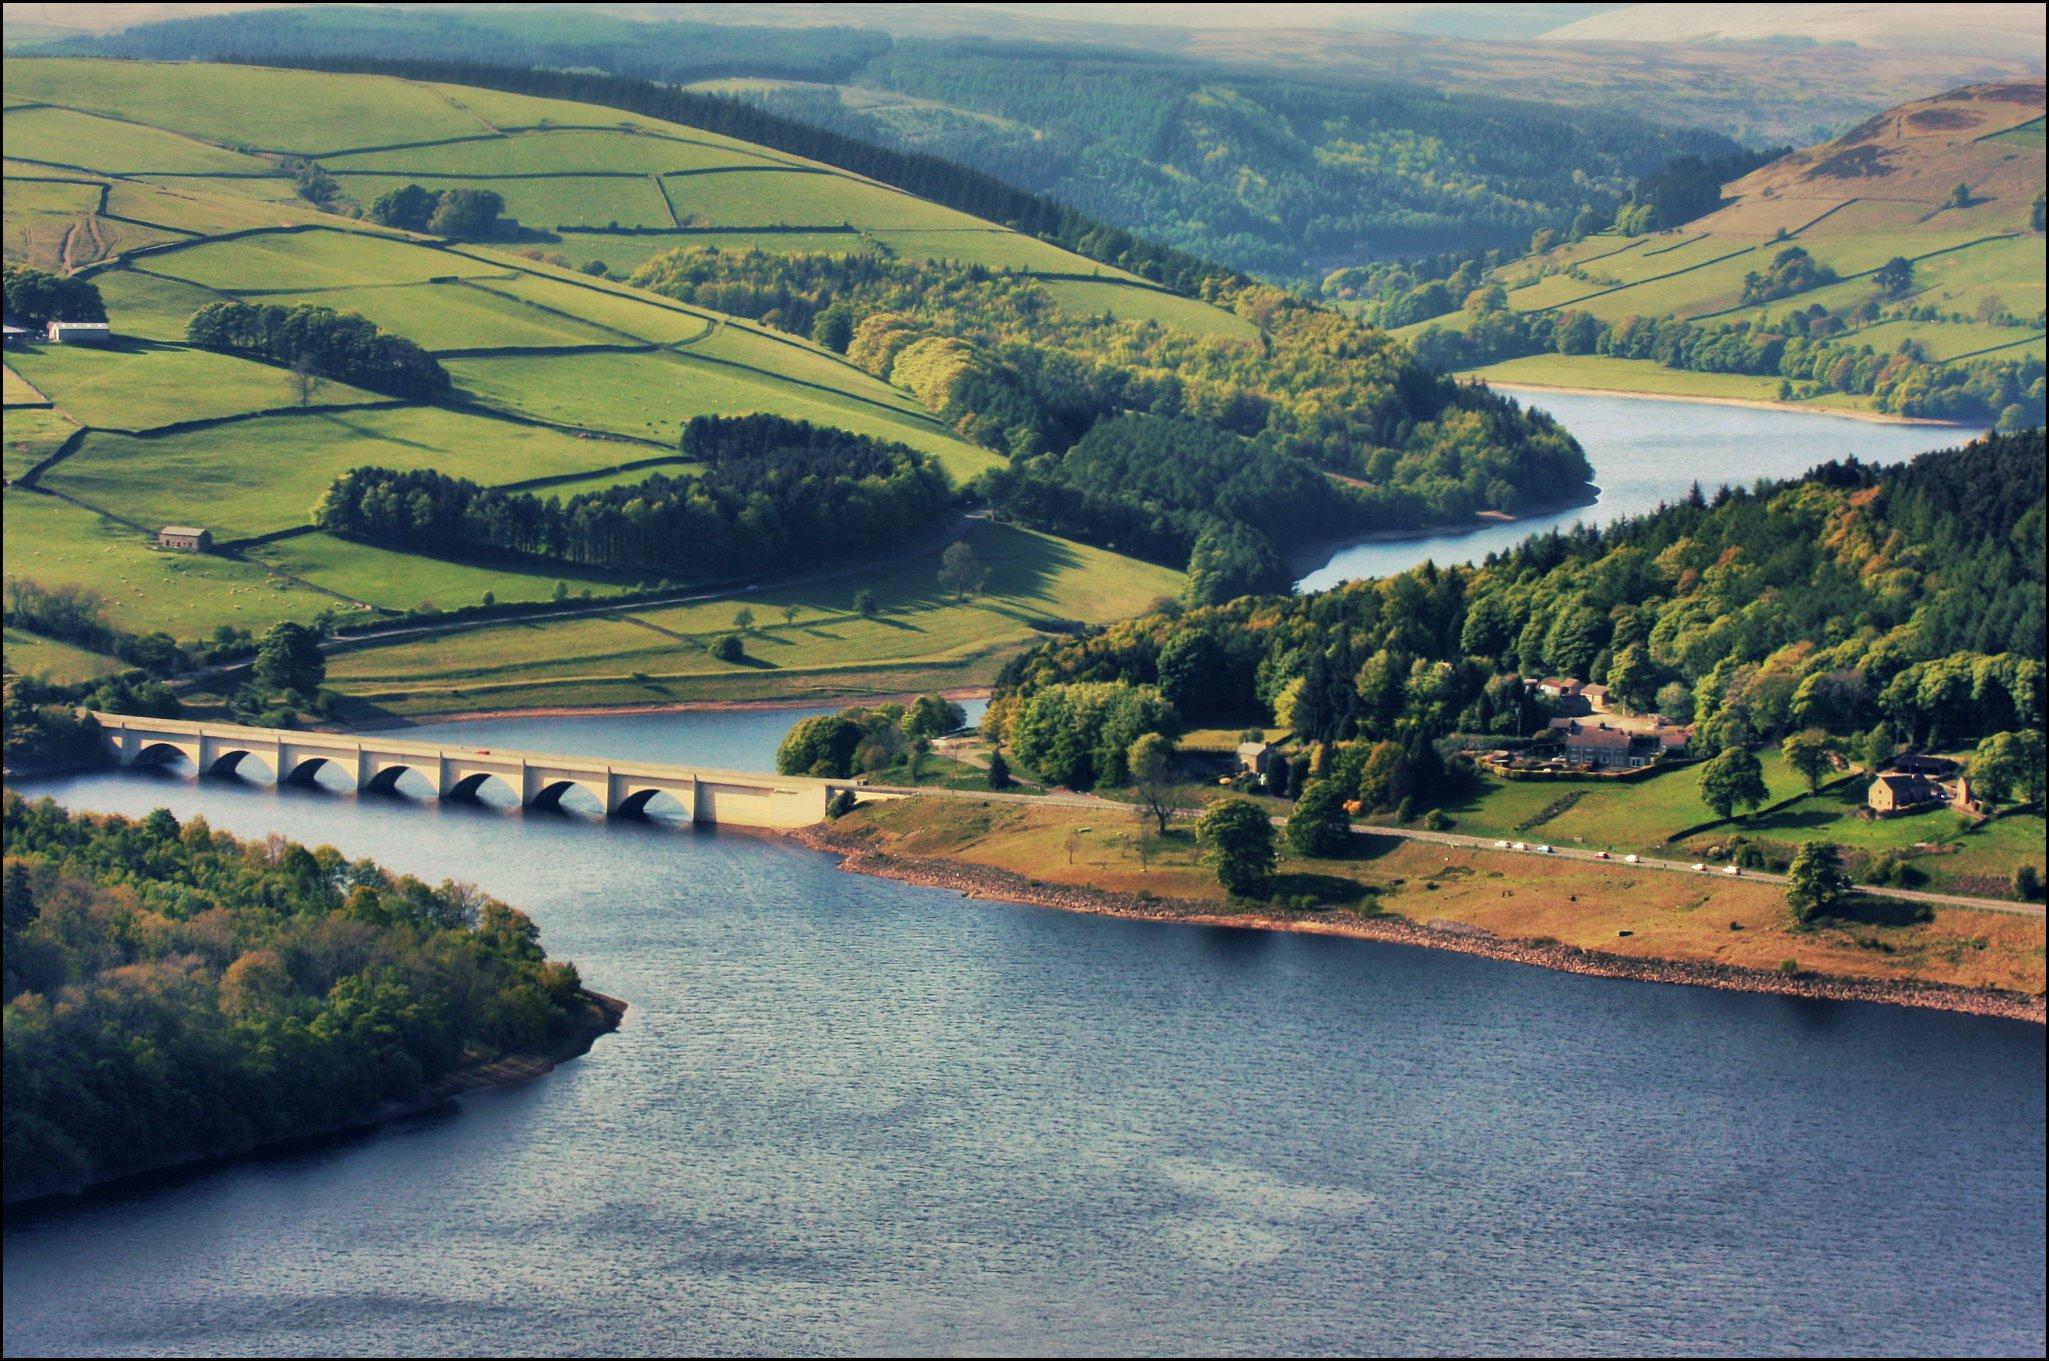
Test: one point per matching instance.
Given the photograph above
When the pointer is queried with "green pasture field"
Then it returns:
(239, 105)
(799, 198)
(2008, 269)
(622, 254)
(268, 193)
(293, 262)
(456, 315)
(259, 476)
(641, 316)
(920, 639)
(42, 217)
(993, 247)
(32, 435)
(1129, 302)
(139, 385)
(591, 201)
(563, 150)
(206, 207)
(251, 477)
(651, 396)
(20, 393)
(1943, 341)
(508, 112)
(149, 305)
(1982, 860)
(66, 137)
(194, 207)
(1659, 255)
(29, 654)
(1618, 815)
(800, 362)
(187, 595)
(50, 198)
(397, 581)
(1606, 374)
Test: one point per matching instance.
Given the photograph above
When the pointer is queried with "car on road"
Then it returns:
(1602, 855)
(1501, 845)
(1699, 868)
(1543, 850)
(1632, 858)
(1732, 869)
(1522, 845)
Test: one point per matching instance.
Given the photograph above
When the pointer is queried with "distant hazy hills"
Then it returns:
(2004, 32)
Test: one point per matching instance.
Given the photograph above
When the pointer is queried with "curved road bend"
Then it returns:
(1068, 799)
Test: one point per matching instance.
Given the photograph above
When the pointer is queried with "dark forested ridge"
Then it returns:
(1284, 175)
(1145, 438)
(174, 993)
(1288, 177)
(1908, 599)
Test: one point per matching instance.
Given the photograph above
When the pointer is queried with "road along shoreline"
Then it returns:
(857, 856)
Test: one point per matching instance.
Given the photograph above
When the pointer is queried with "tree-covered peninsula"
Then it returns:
(174, 993)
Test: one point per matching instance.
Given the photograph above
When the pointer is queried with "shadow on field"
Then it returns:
(1329, 890)
(1868, 910)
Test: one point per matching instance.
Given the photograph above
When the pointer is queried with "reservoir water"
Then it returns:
(848, 1115)
(1647, 451)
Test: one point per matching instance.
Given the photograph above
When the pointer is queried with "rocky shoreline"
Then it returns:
(512, 1070)
(858, 856)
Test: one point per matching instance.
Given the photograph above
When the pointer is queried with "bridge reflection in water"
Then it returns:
(734, 798)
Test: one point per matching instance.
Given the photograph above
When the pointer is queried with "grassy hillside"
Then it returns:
(1952, 185)
(142, 178)
(1281, 148)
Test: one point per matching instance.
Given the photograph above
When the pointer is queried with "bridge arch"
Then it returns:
(166, 753)
(550, 795)
(230, 763)
(656, 800)
(305, 770)
(471, 787)
(385, 781)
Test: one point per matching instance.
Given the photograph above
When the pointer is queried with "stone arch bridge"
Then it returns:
(735, 798)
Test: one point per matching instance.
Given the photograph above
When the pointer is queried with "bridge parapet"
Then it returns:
(736, 798)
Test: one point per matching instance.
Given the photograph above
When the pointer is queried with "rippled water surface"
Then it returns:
(848, 1115)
